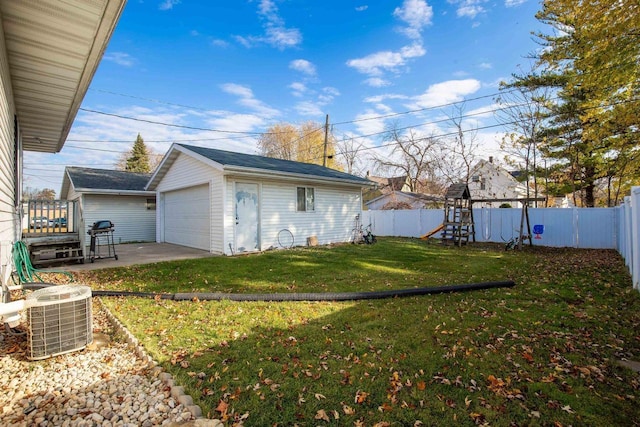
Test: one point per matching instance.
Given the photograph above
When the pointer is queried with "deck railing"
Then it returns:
(42, 217)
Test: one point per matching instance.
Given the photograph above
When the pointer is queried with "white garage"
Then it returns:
(229, 203)
(187, 217)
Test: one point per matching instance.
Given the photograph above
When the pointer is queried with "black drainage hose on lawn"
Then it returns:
(329, 296)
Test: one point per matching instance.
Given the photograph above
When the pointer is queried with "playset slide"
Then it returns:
(432, 232)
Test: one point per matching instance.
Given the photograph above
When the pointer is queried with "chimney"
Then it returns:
(490, 159)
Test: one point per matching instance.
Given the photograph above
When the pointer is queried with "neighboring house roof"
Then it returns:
(249, 164)
(104, 181)
(53, 50)
(403, 200)
(386, 185)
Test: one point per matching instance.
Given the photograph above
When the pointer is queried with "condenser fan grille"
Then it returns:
(60, 320)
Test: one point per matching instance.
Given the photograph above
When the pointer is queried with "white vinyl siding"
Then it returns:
(9, 220)
(188, 172)
(331, 221)
(133, 222)
(186, 217)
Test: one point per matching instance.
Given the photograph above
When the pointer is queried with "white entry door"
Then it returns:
(247, 218)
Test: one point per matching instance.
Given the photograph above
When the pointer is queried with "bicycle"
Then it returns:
(361, 235)
(512, 244)
(368, 236)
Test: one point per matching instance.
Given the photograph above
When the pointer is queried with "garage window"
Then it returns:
(151, 204)
(306, 199)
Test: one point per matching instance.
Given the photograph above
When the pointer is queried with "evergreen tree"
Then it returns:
(591, 61)
(138, 160)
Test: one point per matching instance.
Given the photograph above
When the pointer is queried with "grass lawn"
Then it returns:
(541, 353)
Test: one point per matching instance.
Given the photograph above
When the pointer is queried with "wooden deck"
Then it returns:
(52, 248)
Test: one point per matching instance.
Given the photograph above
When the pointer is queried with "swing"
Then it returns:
(486, 223)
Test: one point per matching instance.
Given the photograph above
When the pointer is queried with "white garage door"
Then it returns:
(186, 217)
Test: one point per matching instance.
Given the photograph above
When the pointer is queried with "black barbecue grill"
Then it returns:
(101, 233)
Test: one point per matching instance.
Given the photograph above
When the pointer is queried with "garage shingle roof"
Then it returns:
(104, 179)
(229, 158)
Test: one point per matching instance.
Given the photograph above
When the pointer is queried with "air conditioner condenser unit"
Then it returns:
(59, 320)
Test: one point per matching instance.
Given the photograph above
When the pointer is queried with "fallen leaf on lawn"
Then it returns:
(320, 396)
(361, 396)
(421, 385)
(348, 410)
(467, 401)
(335, 414)
(322, 415)
(385, 407)
(535, 414)
(222, 407)
(382, 424)
(568, 409)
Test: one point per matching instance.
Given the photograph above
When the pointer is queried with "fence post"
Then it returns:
(635, 237)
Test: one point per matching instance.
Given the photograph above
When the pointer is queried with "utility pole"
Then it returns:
(326, 141)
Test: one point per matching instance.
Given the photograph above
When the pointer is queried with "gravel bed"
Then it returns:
(103, 385)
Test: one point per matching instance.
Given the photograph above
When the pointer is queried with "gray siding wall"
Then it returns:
(9, 219)
(133, 221)
(187, 172)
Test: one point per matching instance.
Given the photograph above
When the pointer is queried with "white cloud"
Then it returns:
(308, 108)
(362, 8)
(248, 100)
(120, 58)
(194, 33)
(328, 94)
(485, 65)
(331, 91)
(369, 123)
(379, 98)
(514, 3)
(219, 43)
(377, 82)
(303, 66)
(468, 8)
(417, 14)
(168, 4)
(276, 34)
(446, 92)
(298, 89)
(376, 63)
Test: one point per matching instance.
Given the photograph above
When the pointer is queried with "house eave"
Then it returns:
(53, 51)
(107, 192)
(236, 171)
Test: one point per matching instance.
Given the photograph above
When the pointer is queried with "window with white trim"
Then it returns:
(306, 199)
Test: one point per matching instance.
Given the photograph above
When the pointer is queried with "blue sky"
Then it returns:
(222, 72)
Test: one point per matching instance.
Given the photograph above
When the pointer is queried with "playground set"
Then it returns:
(458, 224)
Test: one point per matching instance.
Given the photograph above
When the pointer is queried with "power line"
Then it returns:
(153, 122)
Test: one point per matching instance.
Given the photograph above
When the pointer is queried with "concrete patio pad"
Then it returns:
(137, 253)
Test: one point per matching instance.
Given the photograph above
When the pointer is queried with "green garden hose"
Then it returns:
(25, 272)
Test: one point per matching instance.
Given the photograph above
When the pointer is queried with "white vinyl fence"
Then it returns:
(588, 228)
(576, 227)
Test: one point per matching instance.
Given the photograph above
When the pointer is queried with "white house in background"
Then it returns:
(117, 196)
(49, 51)
(226, 202)
(489, 181)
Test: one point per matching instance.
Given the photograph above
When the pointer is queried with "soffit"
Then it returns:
(54, 48)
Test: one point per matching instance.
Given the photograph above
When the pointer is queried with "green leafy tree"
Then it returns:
(591, 60)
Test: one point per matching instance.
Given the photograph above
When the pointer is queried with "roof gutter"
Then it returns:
(106, 192)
